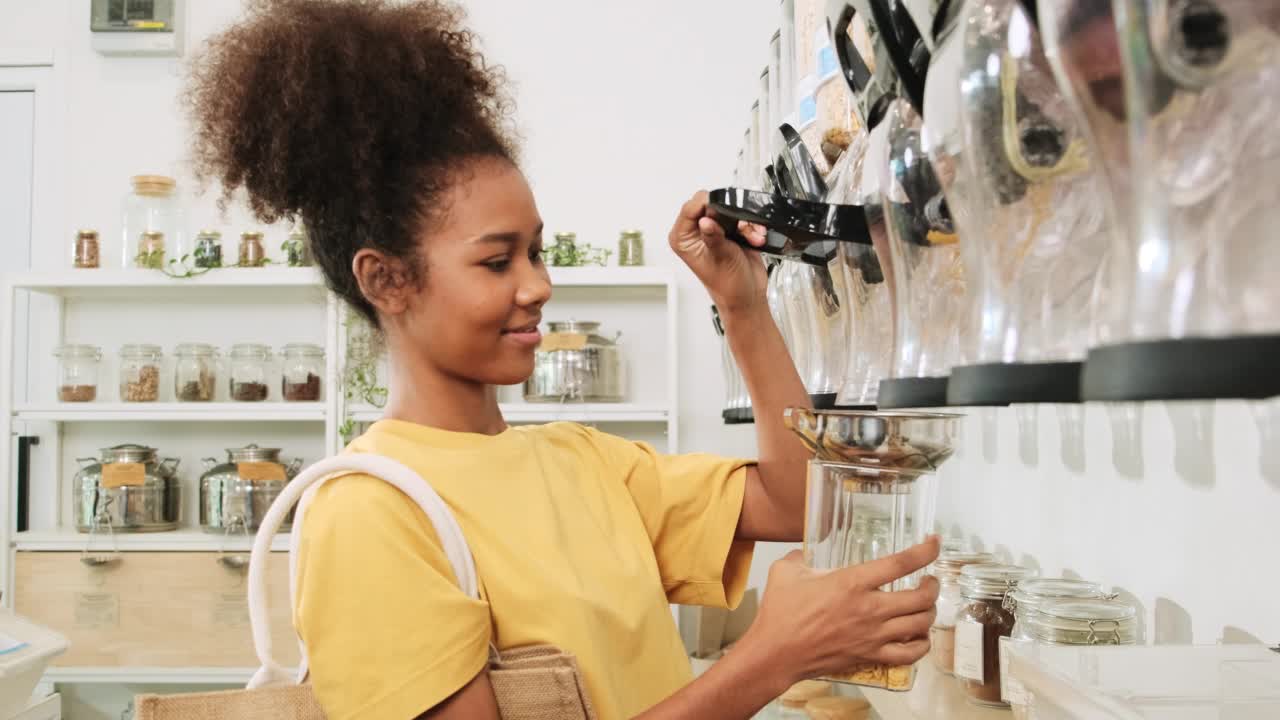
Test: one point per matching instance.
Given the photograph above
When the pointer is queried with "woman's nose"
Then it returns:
(535, 285)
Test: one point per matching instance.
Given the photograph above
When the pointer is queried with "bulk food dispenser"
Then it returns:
(1031, 209)
(872, 491)
(1180, 98)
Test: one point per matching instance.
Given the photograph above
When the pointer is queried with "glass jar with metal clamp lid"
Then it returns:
(942, 636)
(980, 624)
(1023, 602)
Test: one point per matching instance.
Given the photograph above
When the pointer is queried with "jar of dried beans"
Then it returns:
(140, 373)
(981, 622)
(249, 363)
(302, 371)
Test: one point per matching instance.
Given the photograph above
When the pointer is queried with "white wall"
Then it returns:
(1175, 504)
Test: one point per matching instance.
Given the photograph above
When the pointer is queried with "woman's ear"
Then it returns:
(385, 281)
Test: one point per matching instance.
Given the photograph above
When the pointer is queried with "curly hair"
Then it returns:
(353, 115)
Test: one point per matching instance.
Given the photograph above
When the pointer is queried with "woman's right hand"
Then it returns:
(819, 622)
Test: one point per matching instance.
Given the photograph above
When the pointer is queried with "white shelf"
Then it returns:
(173, 412)
(933, 697)
(69, 540)
(552, 412)
(153, 676)
(610, 276)
(89, 282)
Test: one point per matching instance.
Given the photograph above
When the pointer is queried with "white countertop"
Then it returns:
(934, 697)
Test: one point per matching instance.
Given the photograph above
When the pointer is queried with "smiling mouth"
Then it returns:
(523, 329)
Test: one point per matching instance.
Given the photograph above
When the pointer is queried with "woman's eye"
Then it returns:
(535, 255)
(498, 265)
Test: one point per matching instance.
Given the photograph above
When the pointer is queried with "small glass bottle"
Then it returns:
(86, 249)
(150, 255)
(78, 372)
(249, 372)
(980, 624)
(302, 372)
(208, 252)
(252, 253)
(942, 636)
(195, 372)
(631, 248)
(564, 251)
(140, 373)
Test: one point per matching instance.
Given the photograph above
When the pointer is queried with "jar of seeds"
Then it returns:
(86, 249)
(140, 373)
(302, 369)
(249, 372)
(252, 253)
(195, 372)
(78, 372)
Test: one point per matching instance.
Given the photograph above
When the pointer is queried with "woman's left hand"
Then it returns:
(734, 276)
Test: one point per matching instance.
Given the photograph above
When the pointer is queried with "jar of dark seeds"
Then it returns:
(86, 249)
(195, 372)
(249, 363)
(208, 252)
(140, 373)
(302, 371)
(78, 372)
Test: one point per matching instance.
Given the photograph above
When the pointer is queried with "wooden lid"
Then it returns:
(153, 185)
(837, 708)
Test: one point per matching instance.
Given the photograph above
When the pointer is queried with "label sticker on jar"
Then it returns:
(261, 471)
(969, 658)
(115, 475)
(562, 341)
(1007, 684)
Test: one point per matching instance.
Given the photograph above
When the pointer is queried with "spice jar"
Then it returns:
(942, 636)
(208, 252)
(195, 372)
(78, 372)
(150, 255)
(296, 249)
(85, 253)
(980, 624)
(631, 248)
(153, 206)
(140, 373)
(251, 252)
(564, 251)
(249, 372)
(303, 368)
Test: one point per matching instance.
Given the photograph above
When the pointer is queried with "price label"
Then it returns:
(969, 659)
(230, 609)
(97, 610)
(116, 475)
(261, 471)
(562, 341)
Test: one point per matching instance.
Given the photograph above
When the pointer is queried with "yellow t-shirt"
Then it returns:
(580, 540)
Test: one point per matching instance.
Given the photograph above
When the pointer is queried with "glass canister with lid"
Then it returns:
(140, 373)
(128, 488)
(575, 363)
(153, 217)
(249, 372)
(984, 619)
(942, 636)
(1023, 601)
(78, 372)
(195, 372)
(235, 495)
(1072, 621)
(302, 372)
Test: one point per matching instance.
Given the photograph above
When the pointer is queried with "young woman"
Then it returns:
(381, 127)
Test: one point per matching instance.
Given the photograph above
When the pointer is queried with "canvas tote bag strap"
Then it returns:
(403, 478)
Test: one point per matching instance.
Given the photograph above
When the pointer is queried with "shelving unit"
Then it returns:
(42, 309)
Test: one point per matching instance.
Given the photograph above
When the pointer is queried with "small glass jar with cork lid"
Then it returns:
(153, 222)
(208, 252)
(631, 248)
(85, 252)
(252, 254)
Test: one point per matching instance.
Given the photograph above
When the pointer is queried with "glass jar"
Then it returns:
(208, 252)
(249, 372)
(78, 372)
(297, 250)
(942, 636)
(1024, 601)
(151, 207)
(85, 251)
(981, 622)
(140, 373)
(1075, 622)
(564, 251)
(631, 248)
(195, 372)
(252, 253)
(302, 371)
(150, 255)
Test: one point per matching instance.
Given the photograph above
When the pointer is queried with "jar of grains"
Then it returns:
(140, 373)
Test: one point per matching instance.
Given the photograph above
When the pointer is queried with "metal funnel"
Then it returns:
(887, 440)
